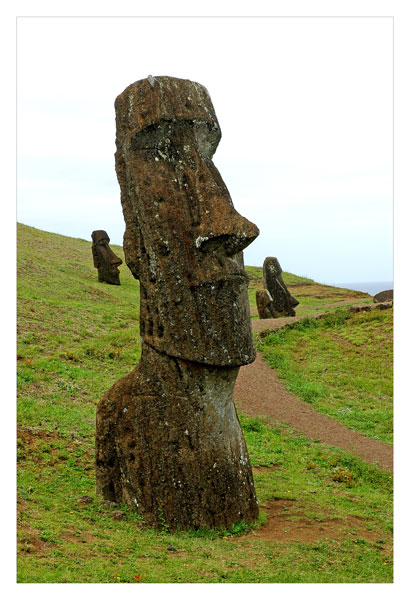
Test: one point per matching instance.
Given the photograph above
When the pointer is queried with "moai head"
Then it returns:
(104, 258)
(183, 237)
(283, 301)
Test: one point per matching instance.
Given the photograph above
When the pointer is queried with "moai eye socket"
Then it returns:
(164, 136)
(148, 139)
(161, 137)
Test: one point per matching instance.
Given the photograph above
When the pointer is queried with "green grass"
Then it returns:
(62, 540)
(77, 336)
(256, 274)
(342, 365)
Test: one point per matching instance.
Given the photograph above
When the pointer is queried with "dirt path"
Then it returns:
(258, 391)
(353, 300)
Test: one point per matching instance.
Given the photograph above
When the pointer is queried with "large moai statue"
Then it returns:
(168, 438)
(275, 300)
(104, 258)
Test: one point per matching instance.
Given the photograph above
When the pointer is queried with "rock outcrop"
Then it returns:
(384, 296)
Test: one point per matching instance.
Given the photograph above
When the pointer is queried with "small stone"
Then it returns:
(86, 500)
(357, 309)
(384, 305)
(109, 504)
(119, 515)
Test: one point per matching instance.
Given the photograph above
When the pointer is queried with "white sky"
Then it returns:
(305, 107)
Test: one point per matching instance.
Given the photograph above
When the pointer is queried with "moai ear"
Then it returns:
(96, 258)
(133, 247)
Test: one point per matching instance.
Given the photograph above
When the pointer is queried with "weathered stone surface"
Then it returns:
(104, 258)
(85, 500)
(357, 309)
(168, 438)
(119, 515)
(383, 296)
(281, 302)
(264, 304)
(384, 305)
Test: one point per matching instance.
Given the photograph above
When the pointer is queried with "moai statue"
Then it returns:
(264, 304)
(168, 439)
(104, 258)
(275, 300)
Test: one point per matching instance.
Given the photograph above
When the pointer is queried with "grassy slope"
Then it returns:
(342, 365)
(75, 337)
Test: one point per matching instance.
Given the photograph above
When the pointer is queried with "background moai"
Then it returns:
(104, 258)
(264, 304)
(168, 438)
(275, 300)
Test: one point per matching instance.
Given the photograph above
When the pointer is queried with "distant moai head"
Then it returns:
(183, 237)
(104, 258)
(283, 301)
(271, 270)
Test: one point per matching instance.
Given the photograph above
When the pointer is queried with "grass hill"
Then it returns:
(77, 336)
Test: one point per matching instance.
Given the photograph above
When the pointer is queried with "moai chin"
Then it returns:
(275, 300)
(104, 258)
(168, 438)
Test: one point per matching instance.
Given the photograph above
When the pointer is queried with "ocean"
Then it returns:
(371, 287)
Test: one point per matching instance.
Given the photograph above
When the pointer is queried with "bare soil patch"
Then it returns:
(30, 542)
(286, 522)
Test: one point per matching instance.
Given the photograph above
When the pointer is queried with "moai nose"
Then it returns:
(224, 231)
(115, 260)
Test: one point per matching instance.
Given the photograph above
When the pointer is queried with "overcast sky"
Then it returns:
(306, 111)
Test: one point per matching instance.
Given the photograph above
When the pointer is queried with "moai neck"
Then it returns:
(163, 375)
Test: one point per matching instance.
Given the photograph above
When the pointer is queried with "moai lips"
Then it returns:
(168, 438)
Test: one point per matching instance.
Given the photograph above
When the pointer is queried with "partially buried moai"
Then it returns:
(275, 300)
(104, 258)
(168, 438)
